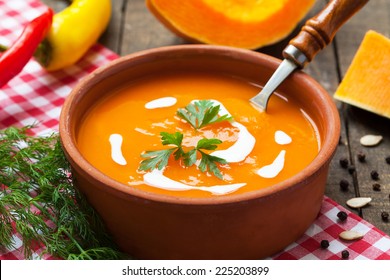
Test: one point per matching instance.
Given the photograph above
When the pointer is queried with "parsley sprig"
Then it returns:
(198, 114)
(159, 159)
(202, 113)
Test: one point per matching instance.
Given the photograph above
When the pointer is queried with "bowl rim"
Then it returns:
(326, 152)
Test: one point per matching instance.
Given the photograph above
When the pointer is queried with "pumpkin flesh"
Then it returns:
(366, 83)
(245, 24)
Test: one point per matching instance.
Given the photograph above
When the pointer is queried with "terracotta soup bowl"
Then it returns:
(243, 225)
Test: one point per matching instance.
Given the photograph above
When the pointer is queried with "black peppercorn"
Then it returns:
(385, 216)
(344, 184)
(361, 157)
(388, 160)
(351, 169)
(374, 175)
(376, 187)
(344, 162)
(345, 254)
(342, 215)
(324, 244)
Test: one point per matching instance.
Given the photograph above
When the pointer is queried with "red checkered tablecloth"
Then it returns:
(36, 96)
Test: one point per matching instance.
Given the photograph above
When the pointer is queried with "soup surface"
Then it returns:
(261, 149)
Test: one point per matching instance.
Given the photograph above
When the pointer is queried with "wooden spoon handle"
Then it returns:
(319, 31)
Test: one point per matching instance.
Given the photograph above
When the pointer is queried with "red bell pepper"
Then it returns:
(16, 57)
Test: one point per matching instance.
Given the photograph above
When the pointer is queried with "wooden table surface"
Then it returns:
(133, 28)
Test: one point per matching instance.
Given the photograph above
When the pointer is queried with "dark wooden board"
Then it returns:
(375, 16)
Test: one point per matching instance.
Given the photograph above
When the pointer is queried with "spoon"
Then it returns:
(315, 35)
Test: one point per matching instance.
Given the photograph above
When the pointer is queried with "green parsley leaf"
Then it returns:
(189, 158)
(207, 163)
(208, 144)
(156, 159)
(198, 114)
(174, 139)
(159, 159)
(189, 114)
(202, 113)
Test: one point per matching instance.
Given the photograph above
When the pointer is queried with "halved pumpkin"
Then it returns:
(246, 24)
(366, 83)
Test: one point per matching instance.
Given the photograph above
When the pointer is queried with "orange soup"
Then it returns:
(260, 149)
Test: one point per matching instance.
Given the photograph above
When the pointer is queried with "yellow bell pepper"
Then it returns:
(74, 30)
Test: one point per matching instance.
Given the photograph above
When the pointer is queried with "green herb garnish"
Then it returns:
(202, 113)
(198, 114)
(159, 159)
(207, 162)
(36, 187)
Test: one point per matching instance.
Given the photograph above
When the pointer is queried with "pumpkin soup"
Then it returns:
(195, 134)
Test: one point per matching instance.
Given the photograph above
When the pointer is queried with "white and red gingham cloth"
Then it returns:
(36, 96)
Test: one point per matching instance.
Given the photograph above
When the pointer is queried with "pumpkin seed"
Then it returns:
(371, 140)
(351, 235)
(358, 202)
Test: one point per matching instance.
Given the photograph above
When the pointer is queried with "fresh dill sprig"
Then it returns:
(159, 159)
(38, 197)
(202, 113)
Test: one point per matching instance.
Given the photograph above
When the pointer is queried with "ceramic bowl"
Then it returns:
(252, 225)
